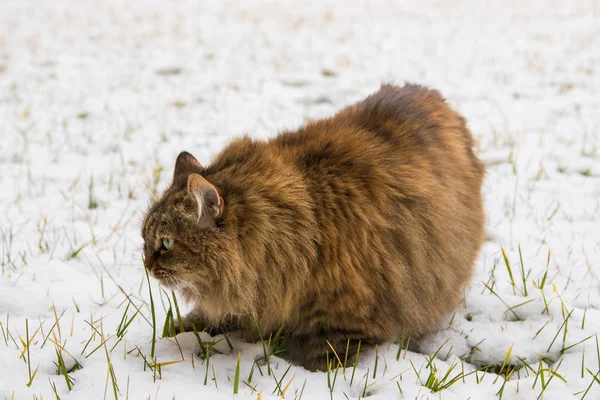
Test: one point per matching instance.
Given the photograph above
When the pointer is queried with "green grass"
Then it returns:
(152, 313)
(236, 378)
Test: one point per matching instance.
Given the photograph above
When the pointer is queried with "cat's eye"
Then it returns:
(167, 243)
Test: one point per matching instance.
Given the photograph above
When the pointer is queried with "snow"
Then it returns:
(98, 98)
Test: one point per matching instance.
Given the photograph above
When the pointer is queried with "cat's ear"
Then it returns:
(185, 165)
(206, 195)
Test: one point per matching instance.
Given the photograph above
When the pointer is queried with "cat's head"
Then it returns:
(182, 237)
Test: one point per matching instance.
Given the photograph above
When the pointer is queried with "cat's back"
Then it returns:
(416, 118)
(406, 135)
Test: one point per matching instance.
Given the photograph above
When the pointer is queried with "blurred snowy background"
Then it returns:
(98, 97)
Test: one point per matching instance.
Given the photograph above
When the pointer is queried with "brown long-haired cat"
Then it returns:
(356, 228)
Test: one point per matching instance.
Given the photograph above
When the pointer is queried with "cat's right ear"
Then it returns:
(185, 165)
(210, 203)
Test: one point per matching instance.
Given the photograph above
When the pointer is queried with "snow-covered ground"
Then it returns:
(98, 97)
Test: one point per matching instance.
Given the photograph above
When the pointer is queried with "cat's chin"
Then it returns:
(169, 283)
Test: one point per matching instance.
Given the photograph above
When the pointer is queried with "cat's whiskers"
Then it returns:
(171, 283)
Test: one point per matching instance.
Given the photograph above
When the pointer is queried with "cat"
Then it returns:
(350, 231)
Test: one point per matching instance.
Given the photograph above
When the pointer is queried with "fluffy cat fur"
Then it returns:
(356, 227)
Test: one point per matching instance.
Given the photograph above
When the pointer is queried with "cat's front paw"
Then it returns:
(194, 322)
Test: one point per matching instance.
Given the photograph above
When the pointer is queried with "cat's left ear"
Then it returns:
(206, 195)
(185, 165)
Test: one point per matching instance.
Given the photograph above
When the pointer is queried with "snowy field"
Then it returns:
(98, 98)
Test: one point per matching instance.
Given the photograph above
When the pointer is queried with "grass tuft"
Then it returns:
(236, 378)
